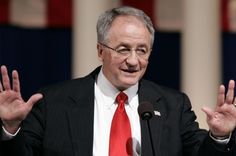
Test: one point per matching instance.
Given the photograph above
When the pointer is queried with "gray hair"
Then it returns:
(105, 21)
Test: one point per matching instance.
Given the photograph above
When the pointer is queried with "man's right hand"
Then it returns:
(13, 109)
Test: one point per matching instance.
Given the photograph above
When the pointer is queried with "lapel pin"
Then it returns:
(157, 113)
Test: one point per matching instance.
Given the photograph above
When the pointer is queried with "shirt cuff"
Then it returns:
(221, 140)
(8, 136)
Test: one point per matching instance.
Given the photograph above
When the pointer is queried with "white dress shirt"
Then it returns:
(104, 109)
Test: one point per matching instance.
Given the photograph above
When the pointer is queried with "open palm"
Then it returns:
(222, 121)
(13, 109)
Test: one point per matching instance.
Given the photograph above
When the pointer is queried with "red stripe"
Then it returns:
(147, 6)
(59, 13)
(4, 11)
(224, 15)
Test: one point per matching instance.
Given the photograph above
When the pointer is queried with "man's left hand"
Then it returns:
(222, 120)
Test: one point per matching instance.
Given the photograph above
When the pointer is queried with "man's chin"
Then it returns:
(130, 82)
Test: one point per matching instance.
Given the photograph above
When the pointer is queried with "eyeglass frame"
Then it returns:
(127, 54)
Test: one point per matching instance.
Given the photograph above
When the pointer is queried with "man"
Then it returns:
(86, 117)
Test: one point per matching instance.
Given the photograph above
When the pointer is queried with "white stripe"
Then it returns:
(85, 56)
(201, 66)
(169, 15)
(232, 15)
(28, 13)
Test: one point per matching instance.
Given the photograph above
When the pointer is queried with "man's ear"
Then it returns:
(100, 51)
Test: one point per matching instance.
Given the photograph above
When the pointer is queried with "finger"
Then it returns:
(5, 78)
(1, 89)
(15, 81)
(221, 95)
(33, 99)
(230, 93)
(209, 112)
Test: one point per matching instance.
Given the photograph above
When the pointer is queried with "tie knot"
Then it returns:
(121, 98)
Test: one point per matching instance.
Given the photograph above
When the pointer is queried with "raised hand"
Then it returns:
(222, 121)
(13, 109)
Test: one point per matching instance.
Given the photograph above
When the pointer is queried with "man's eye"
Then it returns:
(141, 51)
(123, 51)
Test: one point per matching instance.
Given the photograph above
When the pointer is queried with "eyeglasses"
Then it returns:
(141, 52)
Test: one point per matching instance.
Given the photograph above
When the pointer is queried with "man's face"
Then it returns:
(125, 69)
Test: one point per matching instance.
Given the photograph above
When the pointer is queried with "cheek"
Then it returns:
(112, 64)
(143, 65)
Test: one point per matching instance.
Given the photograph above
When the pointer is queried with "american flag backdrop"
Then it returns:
(36, 39)
(228, 23)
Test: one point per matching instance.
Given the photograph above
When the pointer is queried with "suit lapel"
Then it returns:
(81, 118)
(156, 123)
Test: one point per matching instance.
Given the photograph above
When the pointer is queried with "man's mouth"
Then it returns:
(130, 70)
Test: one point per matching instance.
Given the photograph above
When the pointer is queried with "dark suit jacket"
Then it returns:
(62, 124)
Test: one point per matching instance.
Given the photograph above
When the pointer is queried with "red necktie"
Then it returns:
(120, 134)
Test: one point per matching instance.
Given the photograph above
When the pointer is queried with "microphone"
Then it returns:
(145, 111)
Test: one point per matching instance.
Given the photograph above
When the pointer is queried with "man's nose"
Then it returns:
(133, 58)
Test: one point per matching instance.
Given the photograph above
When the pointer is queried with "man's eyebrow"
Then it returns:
(129, 46)
(123, 44)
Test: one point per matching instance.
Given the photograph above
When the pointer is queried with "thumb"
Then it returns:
(33, 99)
(209, 113)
